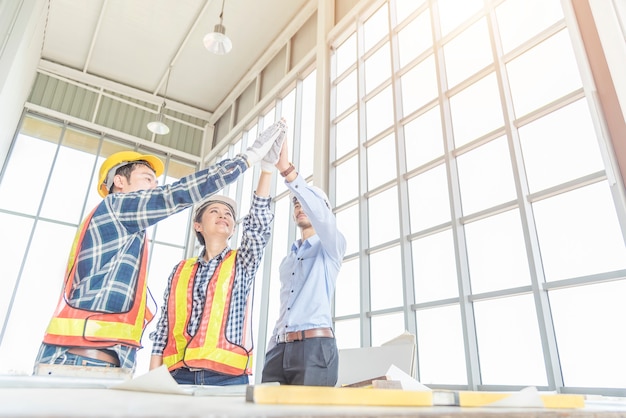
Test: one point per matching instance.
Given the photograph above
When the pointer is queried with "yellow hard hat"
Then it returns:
(120, 159)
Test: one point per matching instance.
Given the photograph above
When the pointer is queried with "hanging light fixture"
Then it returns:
(217, 42)
(158, 126)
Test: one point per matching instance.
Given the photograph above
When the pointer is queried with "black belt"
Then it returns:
(289, 337)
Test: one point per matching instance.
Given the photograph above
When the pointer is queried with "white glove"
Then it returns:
(267, 166)
(265, 141)
(273, 155)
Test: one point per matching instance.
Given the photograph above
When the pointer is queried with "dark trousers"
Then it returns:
(184, 376)
(310, 362)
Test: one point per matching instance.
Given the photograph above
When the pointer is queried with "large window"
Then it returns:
(488, 212)
(47, 187)
(469, 172)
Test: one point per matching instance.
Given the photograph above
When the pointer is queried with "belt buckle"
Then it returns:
(284, 338)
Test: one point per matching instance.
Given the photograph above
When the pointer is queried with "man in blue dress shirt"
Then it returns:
(303, 350)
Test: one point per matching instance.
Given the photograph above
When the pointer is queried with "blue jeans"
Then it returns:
(184, 376)
(70, 359)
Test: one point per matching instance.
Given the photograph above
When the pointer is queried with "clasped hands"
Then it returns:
(267, 146)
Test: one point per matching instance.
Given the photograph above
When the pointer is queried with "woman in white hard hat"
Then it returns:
(204, 333)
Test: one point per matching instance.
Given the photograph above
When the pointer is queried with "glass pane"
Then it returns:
(379, 113)
(386, 327)
(375, 28)
(346, 93)
(386, 279)
(236, 146)
(174, 229)
(281, 244)
(348, 221)
(486, 176)
(178, 169)
(434, 262)
(405, 7)
(429, 203)
(381, 162)
(347, 185)
(377, 68)
(348, 333)
(347, 292)
(587, 322)
(441, 355)
(18, 229)
(347, 137)
(509, 345)
(70, 167)
(248, 186)
(579, 233)
(28, 168)
(559, 147)
(476, 110)
(519, 20)
(496, 253)
(414, 38)
(453, 12)
(383, 206)
(41, 129)
(307, 130)
(419, 86)
(93, 198)
(268, 118)
(467, 53)
(163, 259)
(40, 287)
(423, 139)
(545, 73)
(346, 54)
(288, 110)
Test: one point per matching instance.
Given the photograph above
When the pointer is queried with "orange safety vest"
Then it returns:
(72, 326)
(209, 348)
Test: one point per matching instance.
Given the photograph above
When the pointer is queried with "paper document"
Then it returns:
(408, 383)
(158, 380)
(527, 397)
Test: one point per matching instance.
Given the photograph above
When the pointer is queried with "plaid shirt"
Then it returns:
(256, 232)
(109, 258)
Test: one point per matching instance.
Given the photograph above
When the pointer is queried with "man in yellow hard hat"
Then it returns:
(102, 311)
(123, 164)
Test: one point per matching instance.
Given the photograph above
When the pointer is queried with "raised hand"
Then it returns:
(266, 141)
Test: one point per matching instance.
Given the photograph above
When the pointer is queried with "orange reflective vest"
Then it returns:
(209, 348)
(80, 327)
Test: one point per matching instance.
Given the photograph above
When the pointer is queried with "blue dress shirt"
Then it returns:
(308, 274)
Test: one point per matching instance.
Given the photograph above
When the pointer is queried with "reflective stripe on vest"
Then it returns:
(71, 326)
(209, 348)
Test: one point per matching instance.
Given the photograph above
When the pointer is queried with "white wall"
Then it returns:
(21, 34)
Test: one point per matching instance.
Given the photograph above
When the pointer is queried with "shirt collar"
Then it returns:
(308, 243)
(218, 257)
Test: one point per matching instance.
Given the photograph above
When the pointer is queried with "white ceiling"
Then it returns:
(134, 42)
